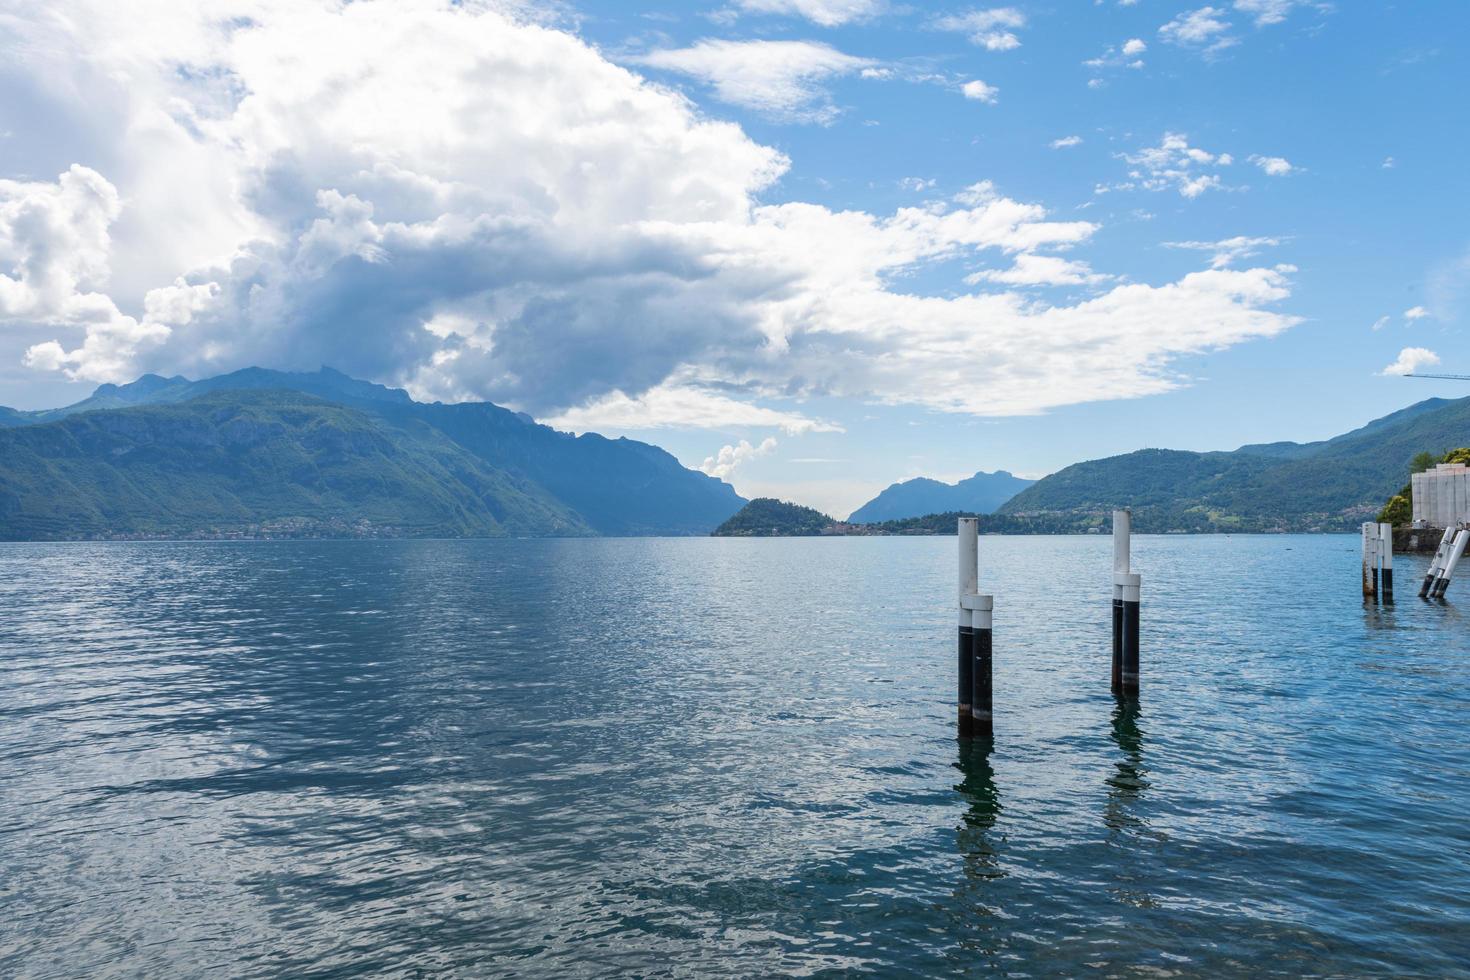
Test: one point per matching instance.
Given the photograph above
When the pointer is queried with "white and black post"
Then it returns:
(1385, 556)
(1126, 594)
(981, 724)
(1462, 538)
(1370, 561)
(969, 535)
(1441, 554)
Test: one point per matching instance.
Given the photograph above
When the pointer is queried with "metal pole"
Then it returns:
(1462, 538)
(1437, 562)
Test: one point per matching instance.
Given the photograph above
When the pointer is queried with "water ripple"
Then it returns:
(720, 757)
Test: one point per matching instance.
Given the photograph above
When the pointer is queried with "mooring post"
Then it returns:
(1121, 529)
(1462, 538)
(1385, 549)
(1370, 569)
(969, 535)
(1126, 592)
(981, 718)
(1437, 562)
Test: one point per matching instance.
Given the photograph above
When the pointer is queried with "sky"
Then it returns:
(812, 247)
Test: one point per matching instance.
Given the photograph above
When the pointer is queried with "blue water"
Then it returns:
(723, 757)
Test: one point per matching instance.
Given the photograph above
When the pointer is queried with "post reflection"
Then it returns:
(1129, 779)
(978, 782)
(977, 899)
(977, 841)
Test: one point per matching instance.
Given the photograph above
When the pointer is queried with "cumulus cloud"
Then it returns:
(990, 29)
(439, 196)
(55, 238)
(1274, 166)
(828, 13)
(1228, 251)
(1411, 359)
(723, 463)
(1066, 142)
(1415, 313)
(780, 78)
(980, 92)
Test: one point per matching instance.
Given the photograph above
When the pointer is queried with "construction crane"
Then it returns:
(1442, 377)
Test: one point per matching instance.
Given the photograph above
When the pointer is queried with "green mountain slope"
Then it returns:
(1330, 485)
(767, 517)
(616, 486)
(229, 462)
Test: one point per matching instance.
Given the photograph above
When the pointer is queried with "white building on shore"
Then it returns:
(1441, 495)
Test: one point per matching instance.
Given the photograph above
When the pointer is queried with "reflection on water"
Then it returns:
(976, 901)
(720, 757)
(1129, 778)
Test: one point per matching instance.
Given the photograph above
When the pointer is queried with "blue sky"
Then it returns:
(844, 241)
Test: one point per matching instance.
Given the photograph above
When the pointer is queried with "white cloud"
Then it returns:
(1228, 251)
(827, 13)
(1274, 166)
(1415, 313)
(990, 29)
(441, 197)
(1065, 142)
(680, 403)
(1174, 164)
(55, 238)
(980, 92)
(1205, 27)
(1381, 322)
(1124, 56)
(1030, 269)
(1410, 360)
(1267, 12)
(917, 184)
(1389, 163)
(723, 463)
(780, 78)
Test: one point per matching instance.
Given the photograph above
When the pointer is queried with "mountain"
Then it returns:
(227, 462)
(766, 517)
(1331, 485)
(529, 478)
(979, 494)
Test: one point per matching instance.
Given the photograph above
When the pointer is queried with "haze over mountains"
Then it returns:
(979, 494)
(266, 451)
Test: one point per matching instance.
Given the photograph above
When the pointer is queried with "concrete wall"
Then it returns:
(1442, 495)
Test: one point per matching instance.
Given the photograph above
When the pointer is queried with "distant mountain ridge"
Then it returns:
(978, 494)
(1331, 485)
(503, 473)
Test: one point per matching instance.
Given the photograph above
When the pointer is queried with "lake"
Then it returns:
(706, 757)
